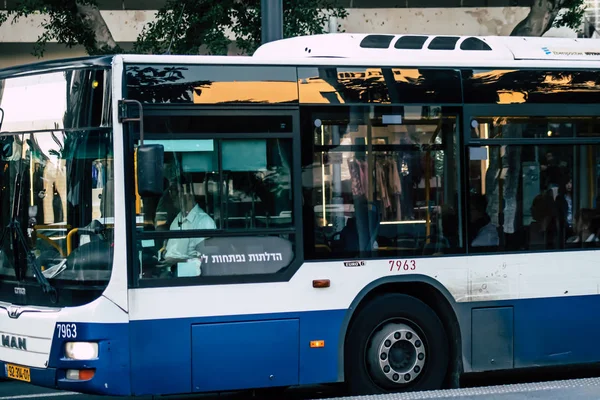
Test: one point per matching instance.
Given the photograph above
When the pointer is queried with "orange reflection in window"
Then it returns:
(318, 91)
(511, 97)
(246, 92)
(362, 86)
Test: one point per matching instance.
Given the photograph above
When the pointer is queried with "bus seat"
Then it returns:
(91, 261)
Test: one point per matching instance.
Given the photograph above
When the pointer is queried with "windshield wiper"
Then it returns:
(16, 233)
(18, 240)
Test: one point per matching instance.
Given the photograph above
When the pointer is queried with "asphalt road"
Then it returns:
(17, 390)
(562, 383)
(583, 389)
(10, 390)
(21, 391)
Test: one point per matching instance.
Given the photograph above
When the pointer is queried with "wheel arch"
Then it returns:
(424, 288)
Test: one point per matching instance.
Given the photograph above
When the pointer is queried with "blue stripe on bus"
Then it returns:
(170, 342)
(112, 365)
(155, 356)
(112, 368)
(558, 330)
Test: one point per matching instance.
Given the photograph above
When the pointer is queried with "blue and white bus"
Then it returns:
(387, 211)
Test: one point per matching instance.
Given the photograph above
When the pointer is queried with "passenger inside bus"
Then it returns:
(483, 232)
(389, 194)
(541, 230)
(587, 227)
(541, 196)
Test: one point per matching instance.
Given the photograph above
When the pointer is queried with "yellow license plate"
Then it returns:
(19, 373)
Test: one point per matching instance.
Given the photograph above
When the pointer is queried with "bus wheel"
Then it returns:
(396, 343)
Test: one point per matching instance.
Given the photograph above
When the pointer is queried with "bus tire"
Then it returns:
(396, 344)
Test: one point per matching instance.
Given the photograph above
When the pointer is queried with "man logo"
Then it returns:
(14, 312)
(14, 342)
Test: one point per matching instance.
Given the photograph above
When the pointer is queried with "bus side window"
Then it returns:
(220, 185)
(383, 184)
(539, 197)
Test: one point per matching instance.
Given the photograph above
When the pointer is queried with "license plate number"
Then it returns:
(19, 373)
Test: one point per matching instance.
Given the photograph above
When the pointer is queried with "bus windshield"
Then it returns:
(56, 198)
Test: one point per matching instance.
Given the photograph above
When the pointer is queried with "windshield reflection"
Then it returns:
(58, 186)
(56, 176)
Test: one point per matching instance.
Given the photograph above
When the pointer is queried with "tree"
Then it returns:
(192, 24)
(544, 14)
(204, 23)
(68, 22)
(201, 24)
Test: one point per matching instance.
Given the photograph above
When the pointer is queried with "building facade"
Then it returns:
(126, 18)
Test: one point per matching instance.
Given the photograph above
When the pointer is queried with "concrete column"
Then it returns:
(271, 12)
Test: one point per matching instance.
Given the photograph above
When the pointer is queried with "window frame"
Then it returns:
(518, 110)
(86, 108)
(527, 110)
(296, 229)
(446, 111)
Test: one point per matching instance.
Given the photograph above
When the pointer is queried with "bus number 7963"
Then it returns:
(67, 331)
(406, 265)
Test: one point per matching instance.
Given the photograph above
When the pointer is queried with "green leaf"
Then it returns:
(574, 12)
(204, 22)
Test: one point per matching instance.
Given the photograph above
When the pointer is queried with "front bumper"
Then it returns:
(111, 367)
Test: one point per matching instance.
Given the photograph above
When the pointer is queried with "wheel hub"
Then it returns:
(396, 354)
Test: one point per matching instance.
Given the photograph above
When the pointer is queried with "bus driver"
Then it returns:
(181, 252)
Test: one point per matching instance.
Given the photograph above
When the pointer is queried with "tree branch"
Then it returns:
(543, 16)
(91, 15)
(538, 21)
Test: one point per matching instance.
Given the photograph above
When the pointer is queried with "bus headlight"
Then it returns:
(81, 350)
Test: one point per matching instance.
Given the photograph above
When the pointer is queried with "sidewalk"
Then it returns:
(573, 389)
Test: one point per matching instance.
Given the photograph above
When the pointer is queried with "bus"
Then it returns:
(383, 212)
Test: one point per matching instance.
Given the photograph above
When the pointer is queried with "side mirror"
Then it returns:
(150, 162)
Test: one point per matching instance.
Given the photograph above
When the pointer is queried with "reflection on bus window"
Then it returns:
(530, 86)
(66, 217)
(211, 84)
(538, 197)
(56, 165)
(344, 85)
(383, 182)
